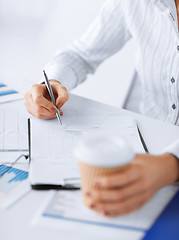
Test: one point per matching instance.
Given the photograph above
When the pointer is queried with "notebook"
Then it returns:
(52, 146)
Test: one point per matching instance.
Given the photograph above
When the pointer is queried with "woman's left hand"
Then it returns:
(125, 192)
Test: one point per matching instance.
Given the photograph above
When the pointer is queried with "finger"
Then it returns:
(116, 195)
(38, 111)
(38, 93)
(62, 95)
(121, 208)
(27, 97)
(122, 179)
(61, 112)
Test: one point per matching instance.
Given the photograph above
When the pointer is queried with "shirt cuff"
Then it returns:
(65, 76)
(173, 148)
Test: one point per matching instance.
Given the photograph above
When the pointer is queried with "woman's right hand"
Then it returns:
(38, 101)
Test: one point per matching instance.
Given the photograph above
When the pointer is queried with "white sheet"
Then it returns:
(52, 145)
(13, 134)
(64, 210)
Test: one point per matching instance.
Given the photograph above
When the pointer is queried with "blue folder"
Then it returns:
(166, 227)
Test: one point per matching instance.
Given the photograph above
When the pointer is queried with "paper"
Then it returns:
(7, 94)
(64, 209)
(52, 145)
(13, 134)
(13, 185)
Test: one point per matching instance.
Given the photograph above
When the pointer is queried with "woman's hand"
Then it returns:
(125, 192)
(38, 101)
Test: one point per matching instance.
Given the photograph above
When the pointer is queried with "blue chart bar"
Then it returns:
(11, 178)
(8, 92)
(2, 85)
(19, 175)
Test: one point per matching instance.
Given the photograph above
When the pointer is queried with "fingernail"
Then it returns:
(105, 213)
(88, 194)
(92, 205)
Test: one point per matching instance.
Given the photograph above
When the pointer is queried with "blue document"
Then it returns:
(166, 227)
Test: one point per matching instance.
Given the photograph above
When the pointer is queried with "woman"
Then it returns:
(154, 24)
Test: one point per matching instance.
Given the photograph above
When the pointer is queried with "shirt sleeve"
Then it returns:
(106, 36)
(173, 148)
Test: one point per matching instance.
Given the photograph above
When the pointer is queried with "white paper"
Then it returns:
(13, 186)
(13, 134)
(64, 209)
(52, 145)
(10, 96)
(80, 230)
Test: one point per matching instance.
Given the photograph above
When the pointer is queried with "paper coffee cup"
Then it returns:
(101, 155)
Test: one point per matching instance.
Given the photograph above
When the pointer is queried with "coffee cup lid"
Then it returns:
(104, 151)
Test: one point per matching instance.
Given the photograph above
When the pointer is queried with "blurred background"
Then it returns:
(32, 31)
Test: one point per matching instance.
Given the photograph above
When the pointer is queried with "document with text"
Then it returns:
(52, 145)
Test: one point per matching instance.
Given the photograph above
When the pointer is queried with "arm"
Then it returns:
(106, 36)
(70, 67)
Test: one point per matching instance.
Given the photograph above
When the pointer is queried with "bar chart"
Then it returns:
(7, 94)
(10, 178)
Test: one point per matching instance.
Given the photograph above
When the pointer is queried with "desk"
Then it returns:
(15, 221)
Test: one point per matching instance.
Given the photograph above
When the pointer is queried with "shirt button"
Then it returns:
(174, 106)
(178, 47)
(172, 79)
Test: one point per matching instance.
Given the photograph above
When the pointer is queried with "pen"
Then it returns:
(49, 88)
(142, 141)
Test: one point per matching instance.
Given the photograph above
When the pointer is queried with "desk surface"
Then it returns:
(15, 221)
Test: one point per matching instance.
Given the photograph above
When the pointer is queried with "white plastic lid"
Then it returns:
(105, 151)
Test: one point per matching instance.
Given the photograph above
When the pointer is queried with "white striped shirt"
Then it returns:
(154, 25)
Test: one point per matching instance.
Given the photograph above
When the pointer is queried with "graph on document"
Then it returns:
(8, 94)
(10, 178)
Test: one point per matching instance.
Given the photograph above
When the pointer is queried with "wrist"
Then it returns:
(171, 165)
(54, 81)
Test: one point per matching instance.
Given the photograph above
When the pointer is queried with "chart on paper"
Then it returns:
(10, 178)
(8, 94)
(13, 184)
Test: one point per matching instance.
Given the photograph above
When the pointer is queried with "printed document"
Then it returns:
(52, 145)
(64, 210)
